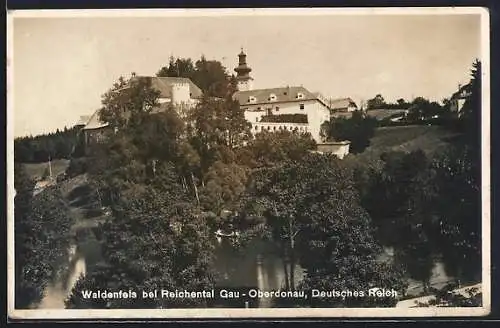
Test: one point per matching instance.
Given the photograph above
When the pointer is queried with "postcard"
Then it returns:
(248, 163)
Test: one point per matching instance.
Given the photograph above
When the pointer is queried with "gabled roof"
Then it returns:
(283, 94)
(83, 120)
(164, 85)
(340, 103)
(94, 122)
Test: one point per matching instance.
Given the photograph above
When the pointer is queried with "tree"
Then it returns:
(313, 211)
(471, 117)
(376, 102)
(218, 128)
(37, 149)
(428, 209)
(268, 149)
(358, 130)
(155, 240)
(42, 238)
(128, 102)
(26, 293)
(178, 67)
(209, 75)
(423, 109)
(397, 200)
(401, 102)
(458, 207)
(224, 183)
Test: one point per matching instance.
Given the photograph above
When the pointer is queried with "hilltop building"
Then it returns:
(180, 92)
(292, 108)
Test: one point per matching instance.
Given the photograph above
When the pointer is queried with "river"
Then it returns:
(257, 265)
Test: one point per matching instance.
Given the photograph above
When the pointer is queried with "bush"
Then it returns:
(358, 130)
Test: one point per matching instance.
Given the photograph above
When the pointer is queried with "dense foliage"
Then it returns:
(42, 224)
(156, 240)
(358, 129)
(313, 211)
(268, 149)
(41, 148)
(434, 204)
(210, 75)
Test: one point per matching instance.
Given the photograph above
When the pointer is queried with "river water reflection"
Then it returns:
(255, 265)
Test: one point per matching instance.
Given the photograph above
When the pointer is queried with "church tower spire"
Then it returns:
(243, 73)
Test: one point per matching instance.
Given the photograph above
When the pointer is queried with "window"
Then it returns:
(302, 106)
(256, 119)
(272, 97)
(277, 109)
(252, 99)
(258, 108)
(300, 95)
(274, 128)
(269, 111)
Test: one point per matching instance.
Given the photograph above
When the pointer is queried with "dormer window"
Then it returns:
(252, 99)
(272, 97)
(300, 95)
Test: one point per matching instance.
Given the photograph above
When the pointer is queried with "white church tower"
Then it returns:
(245, 81)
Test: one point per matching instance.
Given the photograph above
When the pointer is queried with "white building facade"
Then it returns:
(289, 108)
(292, 108)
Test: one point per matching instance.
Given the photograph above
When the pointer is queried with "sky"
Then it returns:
(62, 65)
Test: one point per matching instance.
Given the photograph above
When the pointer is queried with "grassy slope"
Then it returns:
(430, 139)
(36, 170)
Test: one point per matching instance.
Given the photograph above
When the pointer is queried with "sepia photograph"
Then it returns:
(248, 163)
